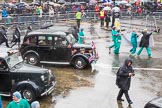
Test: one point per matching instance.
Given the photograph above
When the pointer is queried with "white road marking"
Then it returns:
(110, 66)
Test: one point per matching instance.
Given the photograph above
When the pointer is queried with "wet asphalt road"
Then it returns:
(146, 84)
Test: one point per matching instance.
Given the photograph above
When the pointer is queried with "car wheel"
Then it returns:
(80, 63)
(28, 94)
(32, 59)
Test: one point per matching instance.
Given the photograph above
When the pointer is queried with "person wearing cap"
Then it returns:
(18, 102)
(144, 43)
(35, 104)
(81, 36)
(114, 33)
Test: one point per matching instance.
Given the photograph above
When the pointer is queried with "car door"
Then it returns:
(5, 78)
(45, 45)
(61, 50)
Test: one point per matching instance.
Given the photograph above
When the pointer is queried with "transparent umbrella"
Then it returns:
(106, 8)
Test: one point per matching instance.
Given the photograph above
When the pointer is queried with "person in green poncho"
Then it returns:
(114, 33)
(117, 42)
(18, 102)
(133, 42)
(81, 36)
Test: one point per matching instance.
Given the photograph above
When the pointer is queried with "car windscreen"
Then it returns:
(71, 39)
(14, 59)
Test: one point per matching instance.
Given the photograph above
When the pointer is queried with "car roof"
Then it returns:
(157, 101)
(54, 30)
(5, 54)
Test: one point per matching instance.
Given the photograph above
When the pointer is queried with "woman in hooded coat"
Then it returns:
(124, 80)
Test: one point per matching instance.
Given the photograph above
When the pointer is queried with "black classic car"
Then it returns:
(31, 81)
(154, 103)
(56, 45)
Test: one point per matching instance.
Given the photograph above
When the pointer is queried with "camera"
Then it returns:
(133, 74)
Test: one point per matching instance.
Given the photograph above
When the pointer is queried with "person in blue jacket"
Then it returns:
(133, 42)
(4, 13)
(0, 102)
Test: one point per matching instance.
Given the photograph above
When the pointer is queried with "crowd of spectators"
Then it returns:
(22, 10)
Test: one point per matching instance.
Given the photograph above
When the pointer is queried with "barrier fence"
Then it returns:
(68, 16)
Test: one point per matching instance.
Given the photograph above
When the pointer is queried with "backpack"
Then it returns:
(118, 77)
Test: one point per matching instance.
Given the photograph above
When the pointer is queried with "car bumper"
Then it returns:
(93, 59)
(49, 90)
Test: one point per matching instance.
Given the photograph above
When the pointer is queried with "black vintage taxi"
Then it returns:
(31, 81)
(154, 103)
(56, 45)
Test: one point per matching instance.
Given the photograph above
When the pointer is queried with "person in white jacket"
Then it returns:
(51, 13)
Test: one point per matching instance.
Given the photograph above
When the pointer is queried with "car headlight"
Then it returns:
(42, 77)
(50, 72)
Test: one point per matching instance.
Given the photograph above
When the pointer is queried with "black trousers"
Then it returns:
(78, 23)
(125, 92)
(15, 44)
(6, 41)
(101, 22)
(113, 21)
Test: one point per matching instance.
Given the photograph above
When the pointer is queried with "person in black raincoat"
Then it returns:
(144, 43)
(3, 36)
(75, 32)
(16, 37)
(29, 29)
(123, 80)
(107, 18)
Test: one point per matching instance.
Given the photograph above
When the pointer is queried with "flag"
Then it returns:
(104, 1)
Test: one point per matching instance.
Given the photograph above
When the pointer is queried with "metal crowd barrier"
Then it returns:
(68, 16)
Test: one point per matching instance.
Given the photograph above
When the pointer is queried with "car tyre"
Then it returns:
(28, 94)
(80, 63)
(32, 59)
